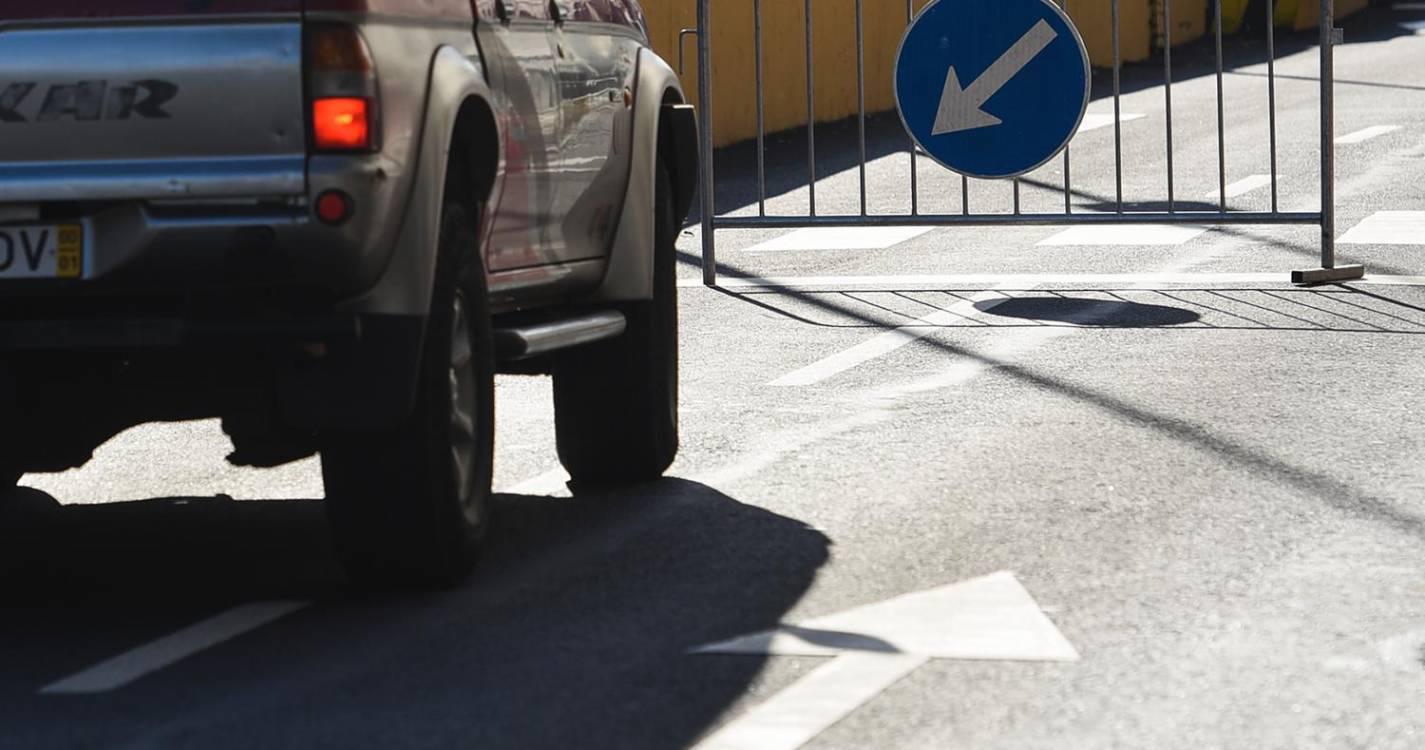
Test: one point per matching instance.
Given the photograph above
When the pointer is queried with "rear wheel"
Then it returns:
(408, 507)
(9, 482)
(616, 402)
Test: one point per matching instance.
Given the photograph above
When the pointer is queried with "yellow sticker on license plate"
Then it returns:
(45, 251)
(70, 263)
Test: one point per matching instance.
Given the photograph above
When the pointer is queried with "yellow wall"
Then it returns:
(1308, 12)
(834, 35)
(1094, 20)
(784, 59)
(1189, 21)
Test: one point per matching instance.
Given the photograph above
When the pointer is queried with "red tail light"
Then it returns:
(345, 98)
(342, 124)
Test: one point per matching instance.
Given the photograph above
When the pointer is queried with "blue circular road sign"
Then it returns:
(992, 88)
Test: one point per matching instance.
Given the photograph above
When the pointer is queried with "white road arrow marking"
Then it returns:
(876, 645)
(960, 106)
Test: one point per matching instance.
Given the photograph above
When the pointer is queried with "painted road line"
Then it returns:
(1020, 282)
(1404, 652)
(1243, 186)
(987, 618)
(1388, 228)
(889, 341)
(838, 238)
(1143, 234)
(1096, 120)
(1361, 136)
(795, 716)
(169, 650)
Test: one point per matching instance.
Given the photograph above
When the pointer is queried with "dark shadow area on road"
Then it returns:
(1336, 310)
(1309, 480)
(198, 550)
(1090, 312)
(840, 640)
(575, 632)
(838, 143)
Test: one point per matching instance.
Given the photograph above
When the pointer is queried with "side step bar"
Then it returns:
(515, 343)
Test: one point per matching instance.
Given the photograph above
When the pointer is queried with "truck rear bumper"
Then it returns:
(186, 248)
(157, 332)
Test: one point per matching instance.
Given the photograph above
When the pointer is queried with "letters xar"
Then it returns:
(87, 101)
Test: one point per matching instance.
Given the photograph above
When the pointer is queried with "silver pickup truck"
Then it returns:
(330, 223)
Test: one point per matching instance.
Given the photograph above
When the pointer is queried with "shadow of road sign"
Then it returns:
(1090, 312)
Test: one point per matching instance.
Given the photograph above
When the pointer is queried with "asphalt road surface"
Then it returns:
(1141, 492)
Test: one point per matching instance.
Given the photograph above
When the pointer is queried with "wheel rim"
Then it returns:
(463, 412)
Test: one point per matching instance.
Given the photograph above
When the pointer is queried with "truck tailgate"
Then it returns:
(180, 105)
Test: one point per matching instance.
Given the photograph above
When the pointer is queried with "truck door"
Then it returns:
(594, 59)
(514, 40)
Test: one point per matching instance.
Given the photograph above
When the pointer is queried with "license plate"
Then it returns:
(54, 251)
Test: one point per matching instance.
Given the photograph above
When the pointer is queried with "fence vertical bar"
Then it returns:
(811, 114)
(1016, 196)
(914, 179)
(1068, 181)
(1221, 125)
(861, 93)
(1328, 135)
(1168, 89)
(1117, 111)
(915, 186)
(1272, 95)
(706, 126)
(761, 111)
(965, 195)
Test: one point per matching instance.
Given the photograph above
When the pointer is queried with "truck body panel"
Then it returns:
(147, 111)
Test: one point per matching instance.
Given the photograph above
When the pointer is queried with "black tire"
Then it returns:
(9, 482)
(409, 506)
(616, 402)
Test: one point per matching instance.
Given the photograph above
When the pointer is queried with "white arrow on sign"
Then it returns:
(960, 108)
(992, 617)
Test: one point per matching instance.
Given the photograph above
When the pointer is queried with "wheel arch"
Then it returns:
(459, 106)
(673, 139)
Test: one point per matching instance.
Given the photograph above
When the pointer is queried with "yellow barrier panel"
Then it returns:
(834, 42)
(1094, 20)
(784, 59)
(1305, 14)
(1189, 21)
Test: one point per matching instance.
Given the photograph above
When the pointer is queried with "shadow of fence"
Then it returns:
(1335, 310)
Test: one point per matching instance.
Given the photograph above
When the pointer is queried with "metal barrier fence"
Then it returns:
(1325, 218)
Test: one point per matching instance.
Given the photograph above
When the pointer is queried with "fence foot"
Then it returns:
(1327, 275)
